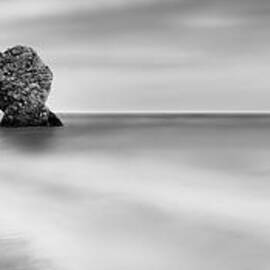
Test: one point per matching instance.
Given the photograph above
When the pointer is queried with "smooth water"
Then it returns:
(137, 192)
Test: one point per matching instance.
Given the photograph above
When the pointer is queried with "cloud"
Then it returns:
(37, 9)
(180, 23)
(206, 21)
(191, 37)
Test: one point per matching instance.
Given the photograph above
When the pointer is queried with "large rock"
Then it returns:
(25, 83)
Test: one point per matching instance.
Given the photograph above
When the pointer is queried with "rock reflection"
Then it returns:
(28, 139)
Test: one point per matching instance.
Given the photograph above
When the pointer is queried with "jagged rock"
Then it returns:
(25, 83)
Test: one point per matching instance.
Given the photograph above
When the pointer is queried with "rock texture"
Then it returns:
(25, 83)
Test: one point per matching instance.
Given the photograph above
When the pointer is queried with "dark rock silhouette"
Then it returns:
(25, 84)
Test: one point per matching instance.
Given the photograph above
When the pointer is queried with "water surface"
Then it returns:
(137, 192)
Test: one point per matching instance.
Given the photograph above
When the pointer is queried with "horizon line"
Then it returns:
(166, 112)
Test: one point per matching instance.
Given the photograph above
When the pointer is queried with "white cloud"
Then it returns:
(208, 21)
(10, 10)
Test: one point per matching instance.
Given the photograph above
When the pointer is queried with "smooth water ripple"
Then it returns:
(136, 192)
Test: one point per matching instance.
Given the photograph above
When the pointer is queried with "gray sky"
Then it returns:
(147, 54)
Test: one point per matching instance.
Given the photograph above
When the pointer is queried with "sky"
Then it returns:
(147, 55)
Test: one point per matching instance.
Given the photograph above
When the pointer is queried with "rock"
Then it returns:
(25, 84)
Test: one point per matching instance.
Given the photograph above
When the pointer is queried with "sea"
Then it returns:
(137, 192)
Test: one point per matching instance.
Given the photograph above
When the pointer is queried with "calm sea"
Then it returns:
(137, 192)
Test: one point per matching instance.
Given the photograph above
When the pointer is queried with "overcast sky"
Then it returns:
(147, 54)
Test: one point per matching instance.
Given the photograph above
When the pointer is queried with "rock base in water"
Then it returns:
(25, 84)
(51, 120)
